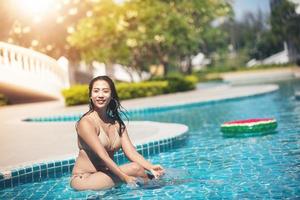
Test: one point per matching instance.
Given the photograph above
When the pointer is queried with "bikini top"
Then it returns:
(108, 144)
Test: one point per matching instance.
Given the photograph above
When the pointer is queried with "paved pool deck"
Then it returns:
(24, 143)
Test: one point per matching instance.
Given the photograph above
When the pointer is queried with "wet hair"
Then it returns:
(114, 108)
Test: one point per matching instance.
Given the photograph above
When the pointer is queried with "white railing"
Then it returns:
(31, 70)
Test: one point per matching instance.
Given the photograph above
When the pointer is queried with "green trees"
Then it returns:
(140, 33)
(259, 36)
(285, 26)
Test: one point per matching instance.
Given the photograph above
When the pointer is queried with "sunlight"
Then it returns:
(34, 7)
(119, 2)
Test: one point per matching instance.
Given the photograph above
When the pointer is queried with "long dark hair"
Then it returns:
(114, 108)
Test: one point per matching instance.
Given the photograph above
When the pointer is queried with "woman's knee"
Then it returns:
(76, 185)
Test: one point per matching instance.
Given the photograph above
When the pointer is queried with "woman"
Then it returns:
(101, 132)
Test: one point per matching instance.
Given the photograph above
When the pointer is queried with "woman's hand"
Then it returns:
(130, 179)
(157, 171)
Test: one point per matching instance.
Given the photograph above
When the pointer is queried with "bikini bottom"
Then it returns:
(87, 174)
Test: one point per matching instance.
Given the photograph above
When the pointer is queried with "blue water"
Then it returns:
(260, 167)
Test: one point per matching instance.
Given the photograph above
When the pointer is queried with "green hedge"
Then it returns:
(204, 76)
(78, 94)
(142, 89)
(178, 82)
(3, 100)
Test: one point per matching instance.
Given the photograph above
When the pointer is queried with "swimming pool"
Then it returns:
(262, 167)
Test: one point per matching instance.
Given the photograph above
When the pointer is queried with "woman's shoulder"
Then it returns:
(87, 119)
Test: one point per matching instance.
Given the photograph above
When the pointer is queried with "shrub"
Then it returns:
(76, 95)
(3, 100)
(192, 78)
(204, 76)
(178, 83)
(142, 89)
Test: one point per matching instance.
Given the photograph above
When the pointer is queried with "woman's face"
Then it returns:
(101, 94)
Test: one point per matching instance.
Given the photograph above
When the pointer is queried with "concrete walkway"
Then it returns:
(261, 75)
(23, 143)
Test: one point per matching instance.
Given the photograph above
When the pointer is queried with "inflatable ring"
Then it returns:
(249, 126)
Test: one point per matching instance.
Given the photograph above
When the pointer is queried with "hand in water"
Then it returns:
(130, 180)
(157, 171)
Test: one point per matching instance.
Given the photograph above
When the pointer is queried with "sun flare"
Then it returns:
(119, 2)
(35, 7)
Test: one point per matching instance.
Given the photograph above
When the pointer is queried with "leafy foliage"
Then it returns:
(285, 24)
(76, 95)
(144, 32)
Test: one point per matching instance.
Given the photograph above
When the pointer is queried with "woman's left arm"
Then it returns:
(132, 154)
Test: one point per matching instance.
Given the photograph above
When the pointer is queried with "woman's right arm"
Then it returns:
(88, 133)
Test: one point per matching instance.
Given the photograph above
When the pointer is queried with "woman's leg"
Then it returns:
(102, 180)
(133, 169)
(136, 170)
(94, 181)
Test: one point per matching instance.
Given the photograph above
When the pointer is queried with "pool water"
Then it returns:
(260, 167)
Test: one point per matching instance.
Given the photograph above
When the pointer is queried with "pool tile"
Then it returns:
(2, 185)
(21, 171)
(15, 181)
(58, 163)
(43, 166)
(43, 173)
(29, 178)
(65, 162)
(145, 150)
(50, 164)
(170, 143)
(65, 169)
(14, 173)
(28, 169)
(151, 151)
(36, 175)
(22, 178)
(156, 149)
(58, 171)
(36, 167)
(71, 161)
(51, 172)
(71, 168)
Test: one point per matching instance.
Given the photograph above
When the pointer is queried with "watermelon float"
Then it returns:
(260, 125)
